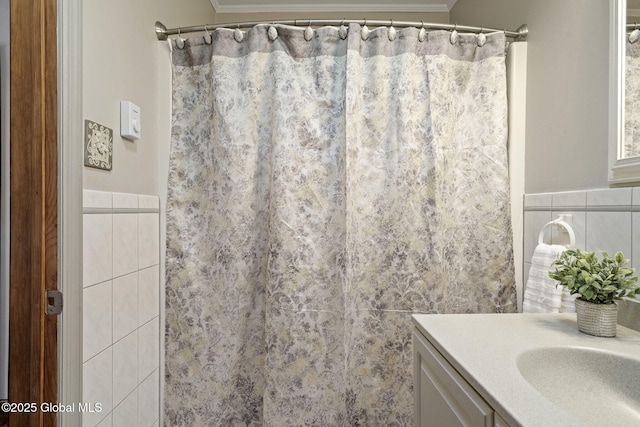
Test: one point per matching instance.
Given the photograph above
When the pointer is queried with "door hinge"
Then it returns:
(54, 302)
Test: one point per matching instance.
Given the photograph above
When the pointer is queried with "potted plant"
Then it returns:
(599, 284)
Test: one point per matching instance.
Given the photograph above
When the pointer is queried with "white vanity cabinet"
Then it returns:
(468, 371)
(442, 397)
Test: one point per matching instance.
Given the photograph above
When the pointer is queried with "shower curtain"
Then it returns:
(320, 192)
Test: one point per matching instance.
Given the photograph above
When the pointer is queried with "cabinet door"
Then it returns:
(499, 421)
(442, 398)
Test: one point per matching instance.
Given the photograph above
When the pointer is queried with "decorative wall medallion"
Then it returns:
(98, 145)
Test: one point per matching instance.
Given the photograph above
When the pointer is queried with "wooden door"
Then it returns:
(33, 362)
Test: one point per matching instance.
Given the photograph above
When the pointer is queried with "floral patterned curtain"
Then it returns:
(323, 187)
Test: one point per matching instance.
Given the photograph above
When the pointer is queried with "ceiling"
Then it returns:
(239, 6)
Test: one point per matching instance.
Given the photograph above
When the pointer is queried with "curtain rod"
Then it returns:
(163, 32)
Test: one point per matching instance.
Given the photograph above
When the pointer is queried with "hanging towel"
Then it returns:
(568, 301)
(541, 294)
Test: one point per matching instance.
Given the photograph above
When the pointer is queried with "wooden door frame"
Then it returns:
(52, 209)
(33, 335)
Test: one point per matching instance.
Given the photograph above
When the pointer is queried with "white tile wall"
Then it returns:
(121, 334)
(603, 220)
(125, 367)
(97, 240)
(97, 374)
(148, 401)
(610, 232)
(107, 422)
(609, 197)
(635, 240)
(125, 238)
(97, 315)
(149, 301)
(149, 240)
(125, 304)
(569, 199)
(126, 414)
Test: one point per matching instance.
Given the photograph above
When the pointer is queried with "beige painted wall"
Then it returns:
(567, 92)
(123, 60)
(222, 18)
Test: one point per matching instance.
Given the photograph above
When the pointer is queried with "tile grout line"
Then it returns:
(96, 211)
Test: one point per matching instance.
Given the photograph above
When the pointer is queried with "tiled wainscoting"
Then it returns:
(121, 309)
(602, 220)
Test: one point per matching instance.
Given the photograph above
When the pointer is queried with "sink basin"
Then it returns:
(598, 387)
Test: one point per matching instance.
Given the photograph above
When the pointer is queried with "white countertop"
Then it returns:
(484, 348)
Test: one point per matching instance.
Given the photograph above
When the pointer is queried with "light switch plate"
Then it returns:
(98, 146)
(129, 120)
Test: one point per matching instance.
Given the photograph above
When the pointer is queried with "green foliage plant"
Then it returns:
(599, 282)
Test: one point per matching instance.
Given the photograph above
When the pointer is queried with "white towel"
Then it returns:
(541, 294)
(568, 301)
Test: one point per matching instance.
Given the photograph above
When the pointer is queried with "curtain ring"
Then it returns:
(295, 22)
(364, 32)
(207, 36)
(453, 38)
(308, 32)
(392, 32)
(180, 40)
(238, 35)
(481, 38)
(343, 30)
(272, 32)
(422, 34)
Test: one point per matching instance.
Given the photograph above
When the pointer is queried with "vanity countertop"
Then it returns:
(484, 349)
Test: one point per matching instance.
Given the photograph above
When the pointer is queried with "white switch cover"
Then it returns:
(129, 120)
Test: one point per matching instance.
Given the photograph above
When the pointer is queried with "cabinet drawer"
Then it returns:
(441, 396)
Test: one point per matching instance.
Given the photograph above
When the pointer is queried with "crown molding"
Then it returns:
(442, 7)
